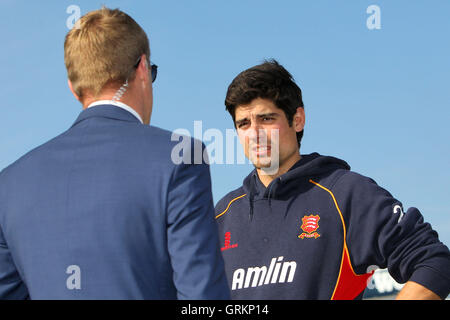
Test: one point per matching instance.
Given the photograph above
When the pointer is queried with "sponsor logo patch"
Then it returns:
(310, 224)
(278, 271)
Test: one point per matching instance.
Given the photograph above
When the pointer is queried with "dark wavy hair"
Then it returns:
(269, 80)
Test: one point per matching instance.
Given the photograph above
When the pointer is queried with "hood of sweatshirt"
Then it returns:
(310, 165)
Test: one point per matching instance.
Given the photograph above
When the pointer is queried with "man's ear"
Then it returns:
(71, 90)
(299, 119)
(143, 69)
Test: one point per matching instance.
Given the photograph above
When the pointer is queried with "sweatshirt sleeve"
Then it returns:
(379, 233)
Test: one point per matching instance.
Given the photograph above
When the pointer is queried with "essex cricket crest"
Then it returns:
(309, 225)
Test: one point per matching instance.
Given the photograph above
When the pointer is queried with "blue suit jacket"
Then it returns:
(102, 212)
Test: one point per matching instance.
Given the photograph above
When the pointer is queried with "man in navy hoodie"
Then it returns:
(305, 226)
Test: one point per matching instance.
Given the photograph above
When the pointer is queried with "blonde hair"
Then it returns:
(102, 49)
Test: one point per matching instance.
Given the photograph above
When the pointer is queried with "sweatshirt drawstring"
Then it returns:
(250, 196)
(272, 188)
(250, 215)
(268, 196)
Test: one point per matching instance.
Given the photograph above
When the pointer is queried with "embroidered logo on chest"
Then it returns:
(310, 224)
(227, 244)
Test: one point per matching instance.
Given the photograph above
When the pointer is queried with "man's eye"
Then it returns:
(268, 118)
(242, 124)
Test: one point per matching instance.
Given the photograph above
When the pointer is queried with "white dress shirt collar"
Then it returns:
(117, 104)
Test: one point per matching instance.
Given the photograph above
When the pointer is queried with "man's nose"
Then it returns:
(256, 133)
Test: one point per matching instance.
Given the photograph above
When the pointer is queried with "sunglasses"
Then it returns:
(153, 67)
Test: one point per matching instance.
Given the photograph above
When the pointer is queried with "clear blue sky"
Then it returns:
(378, 99)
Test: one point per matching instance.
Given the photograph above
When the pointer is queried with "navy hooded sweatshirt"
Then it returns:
(318, 232)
